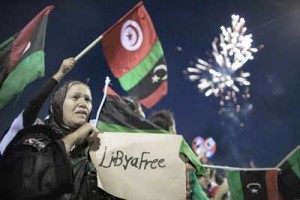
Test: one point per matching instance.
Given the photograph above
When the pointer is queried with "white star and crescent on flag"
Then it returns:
(27, 47)
(156, 78)
(131, 39)
(254, 187)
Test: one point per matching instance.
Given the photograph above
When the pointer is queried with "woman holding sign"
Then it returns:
(49, 161)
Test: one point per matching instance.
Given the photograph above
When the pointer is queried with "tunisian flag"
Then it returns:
(135, 56)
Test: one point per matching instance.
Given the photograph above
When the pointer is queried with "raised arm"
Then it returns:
(34, 106)
(65, 67)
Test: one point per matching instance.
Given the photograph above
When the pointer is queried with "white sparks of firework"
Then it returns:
(223, 77)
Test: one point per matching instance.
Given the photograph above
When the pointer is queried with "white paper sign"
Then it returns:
(140, 166)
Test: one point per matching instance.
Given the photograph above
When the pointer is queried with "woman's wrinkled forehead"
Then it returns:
(60, 95)
(79, 90)
(71, 85)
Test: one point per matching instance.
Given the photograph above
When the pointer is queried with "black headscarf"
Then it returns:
(55, 117)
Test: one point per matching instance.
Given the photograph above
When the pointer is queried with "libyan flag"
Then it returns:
(117, 116)
(135, 56)
(289, 177)
(254, 184)
(22, 57)
(197, 190)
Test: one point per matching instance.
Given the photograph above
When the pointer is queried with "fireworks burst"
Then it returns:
(222, 76)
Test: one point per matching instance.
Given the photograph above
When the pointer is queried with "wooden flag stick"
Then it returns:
(236, 168)
(294, 150)
(84, 51)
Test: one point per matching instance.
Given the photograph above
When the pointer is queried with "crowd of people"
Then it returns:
(48, 159)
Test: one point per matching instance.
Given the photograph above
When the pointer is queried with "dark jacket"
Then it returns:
(36, 166)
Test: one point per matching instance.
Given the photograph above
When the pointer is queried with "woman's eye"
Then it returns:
(88, 99)
(75, 97)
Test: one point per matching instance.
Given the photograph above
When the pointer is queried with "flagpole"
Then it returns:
(294, 150)
(237, 168)
(107, 81)
(83, 52)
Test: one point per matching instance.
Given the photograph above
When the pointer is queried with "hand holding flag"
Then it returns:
(117, 116)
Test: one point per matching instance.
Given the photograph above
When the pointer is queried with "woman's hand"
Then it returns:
(85, 132)
(65, 67)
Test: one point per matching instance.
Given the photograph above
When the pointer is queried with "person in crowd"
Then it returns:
(165, 119)
(50, 160)
(212, 183)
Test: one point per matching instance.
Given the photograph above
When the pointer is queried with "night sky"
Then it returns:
(271, 128)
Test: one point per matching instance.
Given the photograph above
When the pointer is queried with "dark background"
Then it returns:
(271, 128)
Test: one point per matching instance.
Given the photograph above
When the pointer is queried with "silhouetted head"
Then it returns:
(164, 119)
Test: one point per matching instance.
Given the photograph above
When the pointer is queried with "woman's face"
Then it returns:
(77, 105)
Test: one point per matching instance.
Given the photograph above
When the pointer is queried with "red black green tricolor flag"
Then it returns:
(250, 185)
(135, 56)
(22, 57)
(117, 116)
(289, 177)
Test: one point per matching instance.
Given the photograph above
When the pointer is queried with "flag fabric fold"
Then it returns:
(254, 184)
(135, 56)
(117, 116)
(198, 192)
(22, 57)
(289, 177)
